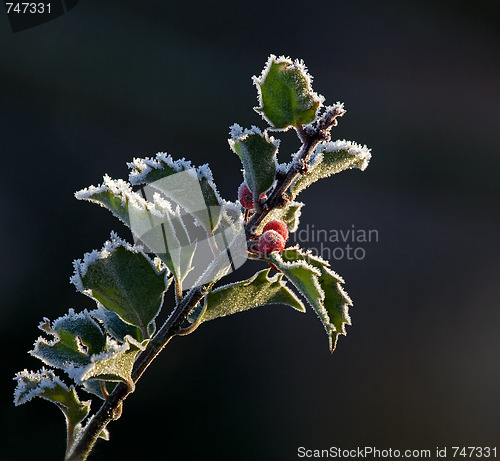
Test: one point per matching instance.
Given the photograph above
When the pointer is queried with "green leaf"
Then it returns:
(336, 301)
(305, 278)
(124, 280)
(285, 95)
(76, 337)
(115, 364)
(155, 223)
(46, 385)
(290, 214)
(115, 195)
(260, 290)
(153, 171)
(117, 328)
(321, 286)
(257, 152)
(81, 349)
(330, 158)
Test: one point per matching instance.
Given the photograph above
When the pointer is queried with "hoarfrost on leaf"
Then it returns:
(124, 280)
(259, 290)
(257, 152)
(155, 171)
(116, 327)
(285, 95)
(147, 170)
(113, 364)
(179, 218)
(330, 158)
(75, 338)
(304, 277)
(118, 197)
(46, 385)
(320, 285)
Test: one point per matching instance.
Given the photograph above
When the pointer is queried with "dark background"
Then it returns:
(85, 93)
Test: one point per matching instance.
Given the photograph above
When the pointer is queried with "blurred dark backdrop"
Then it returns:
(85, 93)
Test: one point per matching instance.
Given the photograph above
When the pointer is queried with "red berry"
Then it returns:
(279, 226)
(245, 196)
(270, 241)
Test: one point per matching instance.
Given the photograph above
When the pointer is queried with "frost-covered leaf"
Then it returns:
(124, 280)
(330, 158)
(82, 350)
(260, 290)
(336, 300)
(117, 196)
(181, 188)
(257, 152)
(114, 364)
(155, 223)
(290, 214)
(75, 338)
(46, 385)
(285, 95)
(148, 170)
(117, 328)
(305, 278)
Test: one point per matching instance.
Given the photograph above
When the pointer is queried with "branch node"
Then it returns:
(117, 411)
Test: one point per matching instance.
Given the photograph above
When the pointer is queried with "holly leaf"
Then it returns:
(117, 328)
(285, 95)
(259, 290)
(330, 158)
(320, 285)
(257, 152)
(159, 227)
(336, 301)
(83, 351)
(114, 364)
(290, 214)
(191, 188)
(305, 278)
(124, 280)
(117, 196)
(75, 338)
(46, 385)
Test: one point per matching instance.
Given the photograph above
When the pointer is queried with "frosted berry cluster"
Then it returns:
(273, 238)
